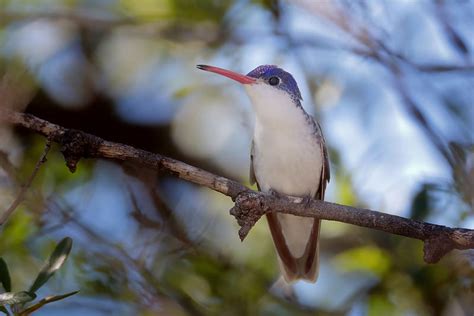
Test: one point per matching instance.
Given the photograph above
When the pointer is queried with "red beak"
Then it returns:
(229, 74)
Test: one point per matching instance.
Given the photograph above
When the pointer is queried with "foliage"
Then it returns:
(16, 302)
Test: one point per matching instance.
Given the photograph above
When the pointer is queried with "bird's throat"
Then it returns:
(275, 109)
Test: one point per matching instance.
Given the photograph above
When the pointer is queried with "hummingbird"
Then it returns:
(288, 157)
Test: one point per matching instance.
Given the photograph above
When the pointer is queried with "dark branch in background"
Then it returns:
(143, 25)
(452, 35)
(145, 282)
(84, 20)
(8, 167)
(249, 205)
(373, 47)
(21, 195)
(168, 221)
(148, 26)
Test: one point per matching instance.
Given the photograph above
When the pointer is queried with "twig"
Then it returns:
(44, 301)
(444, 68)
(165, 212)
(8, 167)
(24, 187)
(249, 205)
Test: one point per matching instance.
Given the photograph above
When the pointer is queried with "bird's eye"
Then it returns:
(273, 81)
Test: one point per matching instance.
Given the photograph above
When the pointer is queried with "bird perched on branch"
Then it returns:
(288, 156)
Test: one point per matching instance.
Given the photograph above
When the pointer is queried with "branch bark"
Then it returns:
(249, 205)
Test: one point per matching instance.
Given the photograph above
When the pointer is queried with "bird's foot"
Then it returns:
(306, 201)
(276, 194)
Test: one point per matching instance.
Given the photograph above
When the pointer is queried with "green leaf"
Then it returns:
(10, 298)
(3, 309)
(44, 301)
(366, 258)
(56, 260)
(5, 276)
(346, 194)
(380, 305)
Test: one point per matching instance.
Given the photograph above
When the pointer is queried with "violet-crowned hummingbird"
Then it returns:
(288, 156)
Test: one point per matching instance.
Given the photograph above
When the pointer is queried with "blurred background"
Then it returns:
(391, 82)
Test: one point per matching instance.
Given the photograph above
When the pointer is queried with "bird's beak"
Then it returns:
(243, 79)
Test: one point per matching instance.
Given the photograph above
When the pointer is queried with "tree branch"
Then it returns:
(249, 205)
(21, 195)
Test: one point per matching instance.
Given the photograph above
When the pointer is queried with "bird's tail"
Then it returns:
(296, 240)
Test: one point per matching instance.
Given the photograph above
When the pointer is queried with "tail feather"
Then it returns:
(293, 268)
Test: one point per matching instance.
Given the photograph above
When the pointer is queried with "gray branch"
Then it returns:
(249, 205)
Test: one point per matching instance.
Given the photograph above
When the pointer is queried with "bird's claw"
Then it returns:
(306, 201)
(276, 194)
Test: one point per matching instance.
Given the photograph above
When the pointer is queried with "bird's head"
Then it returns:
(266, 81)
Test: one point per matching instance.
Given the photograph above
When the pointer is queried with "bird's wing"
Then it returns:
(308, 264)
(325, 171)
(252, 172)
